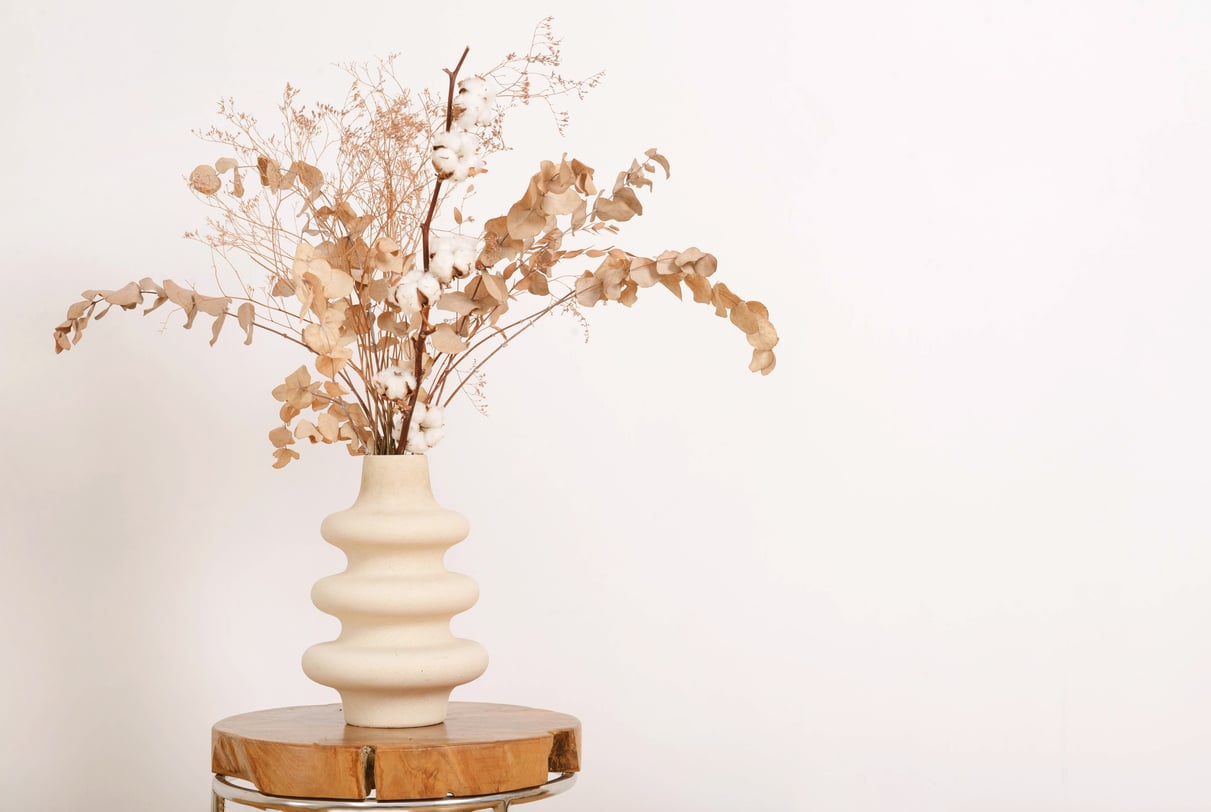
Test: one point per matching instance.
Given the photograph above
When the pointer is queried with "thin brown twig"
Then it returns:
(423, 332)
(530, 322)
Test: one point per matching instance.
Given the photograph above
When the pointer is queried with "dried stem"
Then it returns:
(423, 333)
(528, 322)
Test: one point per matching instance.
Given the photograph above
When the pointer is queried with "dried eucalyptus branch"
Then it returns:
(357, 271)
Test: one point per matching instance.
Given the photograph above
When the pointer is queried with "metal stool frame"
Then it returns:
(224, 790)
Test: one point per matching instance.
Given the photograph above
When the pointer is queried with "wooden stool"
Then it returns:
(483, 756)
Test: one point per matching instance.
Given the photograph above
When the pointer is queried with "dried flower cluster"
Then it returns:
(399, 303)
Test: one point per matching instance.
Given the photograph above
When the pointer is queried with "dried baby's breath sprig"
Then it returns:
(399, 305)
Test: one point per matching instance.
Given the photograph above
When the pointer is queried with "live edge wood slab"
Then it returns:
(481, 748)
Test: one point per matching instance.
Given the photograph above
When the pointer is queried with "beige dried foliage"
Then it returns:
(281, 437)
(246, 315)
(536, 283)
(283, 456)
(126, 297)
(310, 176)
(445, 339)
(205, 180)
(527, 218)
(296, 390)
(322, 253)
(621, 207)
(270, 172)
(699, 286)
(456, 302)
(499, 244)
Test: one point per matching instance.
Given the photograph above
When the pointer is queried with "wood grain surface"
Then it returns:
(310, 752)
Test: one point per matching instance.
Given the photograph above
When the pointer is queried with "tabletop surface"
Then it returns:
(310, 752)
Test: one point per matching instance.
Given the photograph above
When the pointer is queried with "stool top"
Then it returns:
(481, 748)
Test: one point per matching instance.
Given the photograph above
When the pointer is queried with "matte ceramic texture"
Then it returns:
(395, 661)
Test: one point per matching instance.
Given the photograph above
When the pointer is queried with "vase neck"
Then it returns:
(395, 481)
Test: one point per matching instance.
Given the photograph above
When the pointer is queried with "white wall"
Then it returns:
(951, 555)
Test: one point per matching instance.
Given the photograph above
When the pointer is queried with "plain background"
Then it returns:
(951, 555)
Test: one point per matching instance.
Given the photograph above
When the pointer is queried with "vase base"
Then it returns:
(373, 709)
(403, 687)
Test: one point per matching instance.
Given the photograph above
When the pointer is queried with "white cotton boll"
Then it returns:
(455, 155)
(441, 265)
(435, 416)
(397, 426)
(452, 256)
(468, 106)
(445, 140)
(406, 297)
(416, 440)
(486, 111)
(473, 86)
(418, 414)
(395, 389)
(446, 147)
(468, 146)
(476, 102)
(415, 291)
(468, 111)
(441, 258)
(467, 166)
(393, 294)
(379, 382)
(417, 444)
(402, 384)
(434, 436)
(465, 252)
(445, 162)
(393, 383)
(430, 286)
(489, 90)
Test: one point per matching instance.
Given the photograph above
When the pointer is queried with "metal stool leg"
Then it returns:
(224, 790)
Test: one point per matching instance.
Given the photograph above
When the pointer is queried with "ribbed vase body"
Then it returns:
(395, 661)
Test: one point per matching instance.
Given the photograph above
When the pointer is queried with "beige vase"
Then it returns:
(395, 661)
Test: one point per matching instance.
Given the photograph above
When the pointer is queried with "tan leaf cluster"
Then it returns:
(621, 207)
(337, 420)
(499, 243)
(133, 294)
(389, 259)
(624, 203)
(555, 189)
(620, 275)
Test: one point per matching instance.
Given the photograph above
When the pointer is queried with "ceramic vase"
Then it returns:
(395, 661)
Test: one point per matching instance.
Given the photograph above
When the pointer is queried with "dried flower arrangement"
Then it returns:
(398, 313)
